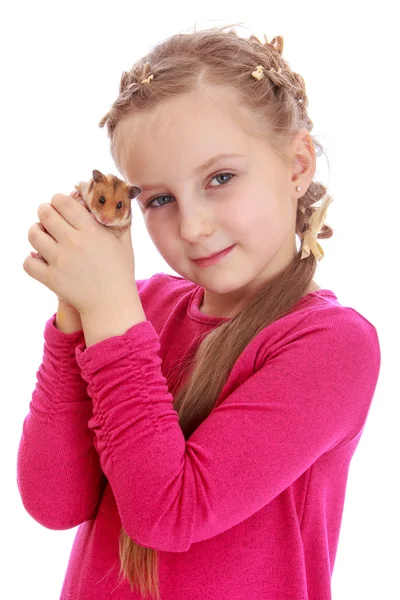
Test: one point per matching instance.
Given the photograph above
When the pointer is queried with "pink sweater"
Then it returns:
(250, 506)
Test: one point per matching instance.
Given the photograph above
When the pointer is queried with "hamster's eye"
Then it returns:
(119, 205)
(102, 200)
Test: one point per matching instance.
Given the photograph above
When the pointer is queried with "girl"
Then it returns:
(204, 451)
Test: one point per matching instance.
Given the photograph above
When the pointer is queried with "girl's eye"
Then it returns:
(151, 205)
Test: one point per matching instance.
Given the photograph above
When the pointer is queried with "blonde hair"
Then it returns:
(279, 105)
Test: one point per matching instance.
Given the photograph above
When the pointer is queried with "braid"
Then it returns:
(283, 77)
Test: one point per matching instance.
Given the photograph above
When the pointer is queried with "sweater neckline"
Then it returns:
(198, 293)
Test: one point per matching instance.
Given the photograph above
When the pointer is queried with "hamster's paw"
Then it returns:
(37, 255)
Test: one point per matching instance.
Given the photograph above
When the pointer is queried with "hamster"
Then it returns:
(108, 200)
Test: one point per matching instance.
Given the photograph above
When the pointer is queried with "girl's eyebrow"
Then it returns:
(203, 167)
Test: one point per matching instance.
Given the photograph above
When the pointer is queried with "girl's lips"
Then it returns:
(212, 255)
(205, 262)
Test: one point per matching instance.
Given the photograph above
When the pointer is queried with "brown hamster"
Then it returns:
(108, 199)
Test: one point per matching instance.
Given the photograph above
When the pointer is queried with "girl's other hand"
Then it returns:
(37, 255)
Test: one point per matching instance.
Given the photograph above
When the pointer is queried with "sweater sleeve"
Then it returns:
(58, 470)
(311, 395)
(59, 476)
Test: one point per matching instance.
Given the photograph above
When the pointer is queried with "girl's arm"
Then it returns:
(59, 476)
(58, 470)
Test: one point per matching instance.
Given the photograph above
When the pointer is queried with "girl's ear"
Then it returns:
(134, 191)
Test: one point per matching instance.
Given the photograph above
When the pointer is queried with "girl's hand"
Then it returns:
(82, 262)
(37, 255)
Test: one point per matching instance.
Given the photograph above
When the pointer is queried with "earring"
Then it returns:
(298, 189)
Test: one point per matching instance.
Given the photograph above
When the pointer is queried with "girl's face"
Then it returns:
(191, 212)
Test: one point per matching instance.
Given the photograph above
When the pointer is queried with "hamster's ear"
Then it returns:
(133, 191)
(98, 176)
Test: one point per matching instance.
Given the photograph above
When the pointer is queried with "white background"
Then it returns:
(61, 64)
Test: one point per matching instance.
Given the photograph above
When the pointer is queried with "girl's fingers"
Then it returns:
(36, 254)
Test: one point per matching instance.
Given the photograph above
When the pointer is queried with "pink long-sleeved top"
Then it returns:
(250, 505)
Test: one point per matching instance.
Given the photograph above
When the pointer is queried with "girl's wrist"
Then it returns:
(68, 319)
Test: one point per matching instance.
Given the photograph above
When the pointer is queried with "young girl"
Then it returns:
(204, 453)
